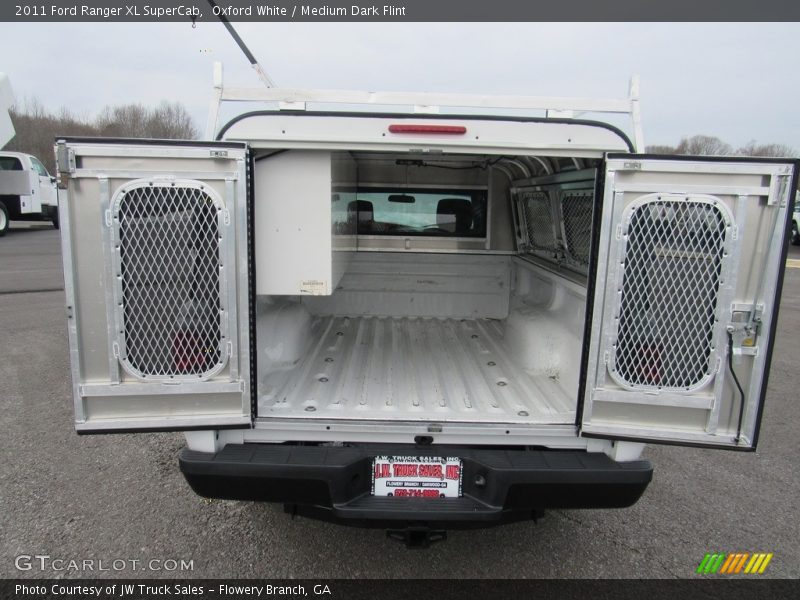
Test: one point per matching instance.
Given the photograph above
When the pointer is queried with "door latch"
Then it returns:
(744, 328)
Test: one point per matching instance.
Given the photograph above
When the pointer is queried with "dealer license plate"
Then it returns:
(416, 476)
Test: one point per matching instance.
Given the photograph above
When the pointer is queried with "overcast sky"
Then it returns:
(736, 81)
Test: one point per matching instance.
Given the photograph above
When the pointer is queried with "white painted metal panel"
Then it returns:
(296, 253)
(689, 264)
(15, 183)
(371, 133)
(150, 260)
(26, 184)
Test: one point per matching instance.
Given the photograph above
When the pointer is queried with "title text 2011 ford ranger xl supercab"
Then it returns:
(420, 321)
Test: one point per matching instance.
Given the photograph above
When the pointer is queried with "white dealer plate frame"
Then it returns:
(417, 476)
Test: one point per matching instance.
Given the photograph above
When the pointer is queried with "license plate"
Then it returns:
(416, 476)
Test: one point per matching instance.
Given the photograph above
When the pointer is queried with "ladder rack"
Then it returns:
(288, 99)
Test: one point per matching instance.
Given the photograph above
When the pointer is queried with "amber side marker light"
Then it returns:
(446, 129)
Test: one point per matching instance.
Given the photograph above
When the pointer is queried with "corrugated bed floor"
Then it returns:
(412, 369)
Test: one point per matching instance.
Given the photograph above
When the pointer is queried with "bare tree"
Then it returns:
(777, 150)
(661, 149)
(709, 145)
(129, 120)
(37, 128)
(706, 145)
(168, 120)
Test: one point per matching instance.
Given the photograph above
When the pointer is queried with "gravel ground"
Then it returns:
(121, 497)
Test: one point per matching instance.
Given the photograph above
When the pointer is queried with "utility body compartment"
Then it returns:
(510, 305)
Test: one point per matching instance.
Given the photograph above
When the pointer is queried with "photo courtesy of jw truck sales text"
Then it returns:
(183, 590)
(420, 322)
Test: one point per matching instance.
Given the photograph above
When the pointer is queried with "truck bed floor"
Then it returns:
(412, 369)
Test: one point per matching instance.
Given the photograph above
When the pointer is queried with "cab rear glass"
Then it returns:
(415, 212)
(10, 163)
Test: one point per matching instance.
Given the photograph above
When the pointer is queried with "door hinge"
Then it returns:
(781, 197)
(65, 163)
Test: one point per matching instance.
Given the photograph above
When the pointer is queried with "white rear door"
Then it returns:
(155, 249)
(688, 263)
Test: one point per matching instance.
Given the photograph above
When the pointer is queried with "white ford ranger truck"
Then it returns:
(420, 320)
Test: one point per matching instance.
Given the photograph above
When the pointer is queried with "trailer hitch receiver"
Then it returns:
(417, 536)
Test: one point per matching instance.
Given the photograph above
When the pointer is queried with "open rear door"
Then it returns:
(155, 250)
(687, 267)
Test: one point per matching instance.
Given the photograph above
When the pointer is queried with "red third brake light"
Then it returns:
(447, 129)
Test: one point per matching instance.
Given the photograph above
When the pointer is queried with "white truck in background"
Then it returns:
(27, 190)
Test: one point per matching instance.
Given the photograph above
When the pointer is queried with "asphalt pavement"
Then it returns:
(122, 498)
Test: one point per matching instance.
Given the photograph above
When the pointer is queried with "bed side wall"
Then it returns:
(544, 329)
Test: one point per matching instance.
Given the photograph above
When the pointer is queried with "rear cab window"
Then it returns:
(10, 163)
(416, 212)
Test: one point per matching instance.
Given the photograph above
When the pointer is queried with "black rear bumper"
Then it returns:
(334, 483)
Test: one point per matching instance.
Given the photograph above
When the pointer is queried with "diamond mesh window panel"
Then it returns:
(672, 264)
(169, 255)
(576, 212)
(539, 222)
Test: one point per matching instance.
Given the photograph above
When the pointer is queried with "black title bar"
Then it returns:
(400, 10)
(745, 588)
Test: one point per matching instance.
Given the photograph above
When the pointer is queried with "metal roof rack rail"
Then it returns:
(290, 99)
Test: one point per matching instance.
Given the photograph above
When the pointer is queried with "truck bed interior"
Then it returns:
(457, 321)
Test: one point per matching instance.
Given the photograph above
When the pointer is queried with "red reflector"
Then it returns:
(189, 353)
(649, 368)
(447, 129)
